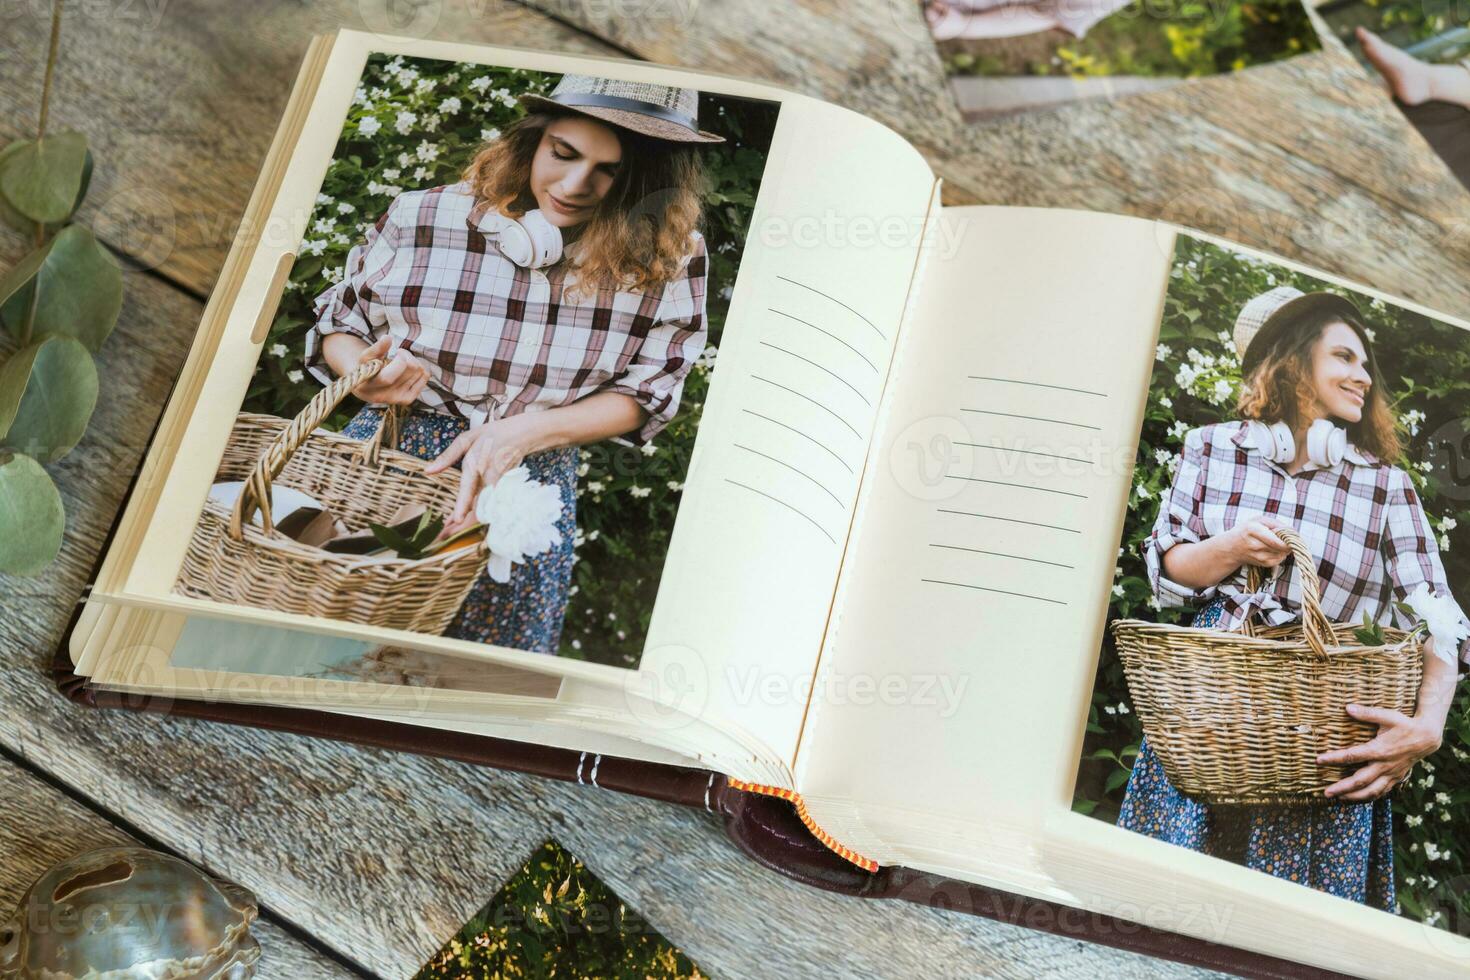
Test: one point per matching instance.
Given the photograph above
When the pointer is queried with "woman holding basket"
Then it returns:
(1312, 451)
(555, 296)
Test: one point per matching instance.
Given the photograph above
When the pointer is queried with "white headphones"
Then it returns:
(530, 241)
(1326, 442)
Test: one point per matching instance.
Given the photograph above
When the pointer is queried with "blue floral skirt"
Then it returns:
(1344, 849)
(525, 613)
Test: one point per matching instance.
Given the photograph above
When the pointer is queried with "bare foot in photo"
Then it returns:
(1412, 81)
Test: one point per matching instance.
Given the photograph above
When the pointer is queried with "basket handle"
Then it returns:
(1316, 626)
(256, 494)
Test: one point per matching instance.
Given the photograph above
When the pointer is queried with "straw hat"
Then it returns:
(1263, 318)
(661, 111)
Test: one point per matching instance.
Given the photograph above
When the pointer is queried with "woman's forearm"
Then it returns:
(1436, 690)
(591, 419)
(1202, 564)
(341, 351)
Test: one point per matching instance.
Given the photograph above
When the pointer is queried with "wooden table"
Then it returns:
(364, 861)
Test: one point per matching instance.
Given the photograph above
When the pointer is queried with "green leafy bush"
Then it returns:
(554, 918)
(1195, 382)
(415, 123)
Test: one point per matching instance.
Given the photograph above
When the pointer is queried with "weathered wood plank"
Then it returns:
(40, 826)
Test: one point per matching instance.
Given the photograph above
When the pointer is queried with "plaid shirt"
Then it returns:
(1362, 519)
(498, 339)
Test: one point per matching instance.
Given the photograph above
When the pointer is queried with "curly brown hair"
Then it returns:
(1280, 388)
(639, 233)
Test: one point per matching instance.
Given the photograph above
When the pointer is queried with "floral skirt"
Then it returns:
(1344, 849)
(525, 613)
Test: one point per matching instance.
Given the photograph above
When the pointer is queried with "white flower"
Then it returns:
(648, 449)
(1162, 456)
(1162, 352)
(426, 85)
(369, 125)
(638, 491)
(596, 486)
(432, 121)
(583, 469)
(449, 106)
(1413, 820)
(1110, 709)
(294, 377)
(1166, 401)
(278, 350)
(1118, 590)
(520, 515)
(1122, 708)
(404, 159)
(315, 246)
(480, 84)
(612, 615)
(1442, 797)
(593, 536)
(1143, 492)
(1222, 390)
(1444, 542)
(324, 198)
(576, 644)
(486, 135)
(345, 208)
(1177, 430)
(1448, 524)
(406, 75)
(392, 174)
(360, 97)
(1442, 617)
(420, 173)
(323, 226)
(404, 121)
(427, 151)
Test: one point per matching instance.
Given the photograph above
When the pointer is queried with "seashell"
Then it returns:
(128, 913)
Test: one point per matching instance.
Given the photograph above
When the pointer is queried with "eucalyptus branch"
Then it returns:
(50, 68)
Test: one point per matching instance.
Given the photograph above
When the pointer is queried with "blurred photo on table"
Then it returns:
(1004, 57)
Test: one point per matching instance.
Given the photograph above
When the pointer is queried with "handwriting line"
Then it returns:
(783, 503)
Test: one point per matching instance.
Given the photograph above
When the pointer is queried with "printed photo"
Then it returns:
(475, 409)
(1421, 52)
(1004, 57)
(1278, 683)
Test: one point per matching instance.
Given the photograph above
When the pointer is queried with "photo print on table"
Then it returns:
(1278, 400)
(1421, 51)
(1003, 57)
(519, 279)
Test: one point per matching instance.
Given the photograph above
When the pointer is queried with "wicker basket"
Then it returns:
(1239, 718)
(233, 560)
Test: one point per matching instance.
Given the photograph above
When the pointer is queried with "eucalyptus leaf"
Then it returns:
(58, 391)
(80, 285)
(42, 178)
(10, 216)
(31, 516)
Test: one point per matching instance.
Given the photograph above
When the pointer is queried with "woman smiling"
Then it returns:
(553, 297)
(1314, 450)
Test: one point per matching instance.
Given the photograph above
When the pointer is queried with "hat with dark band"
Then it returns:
(1262, 320)
(661, 111)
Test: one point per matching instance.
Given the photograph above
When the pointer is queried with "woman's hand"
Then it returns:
(1401, 741)
(399, 382)
(1252, 542)
(485, 453)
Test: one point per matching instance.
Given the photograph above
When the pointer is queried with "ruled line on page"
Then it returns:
(835, 300)
(986, 588)
(829, 333)
(795, 469)
(1013, 520)
(1001, 554)
(1020, 486)
(1033, 418)
(809, 398)
(1028, 452)
(1037, 384)
(796, 510)
(820, 367)
(813, 439)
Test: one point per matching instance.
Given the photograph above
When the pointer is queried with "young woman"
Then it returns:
(505, 355)
(1313, 450)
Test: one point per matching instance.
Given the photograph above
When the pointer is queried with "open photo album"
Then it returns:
(667, 421)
